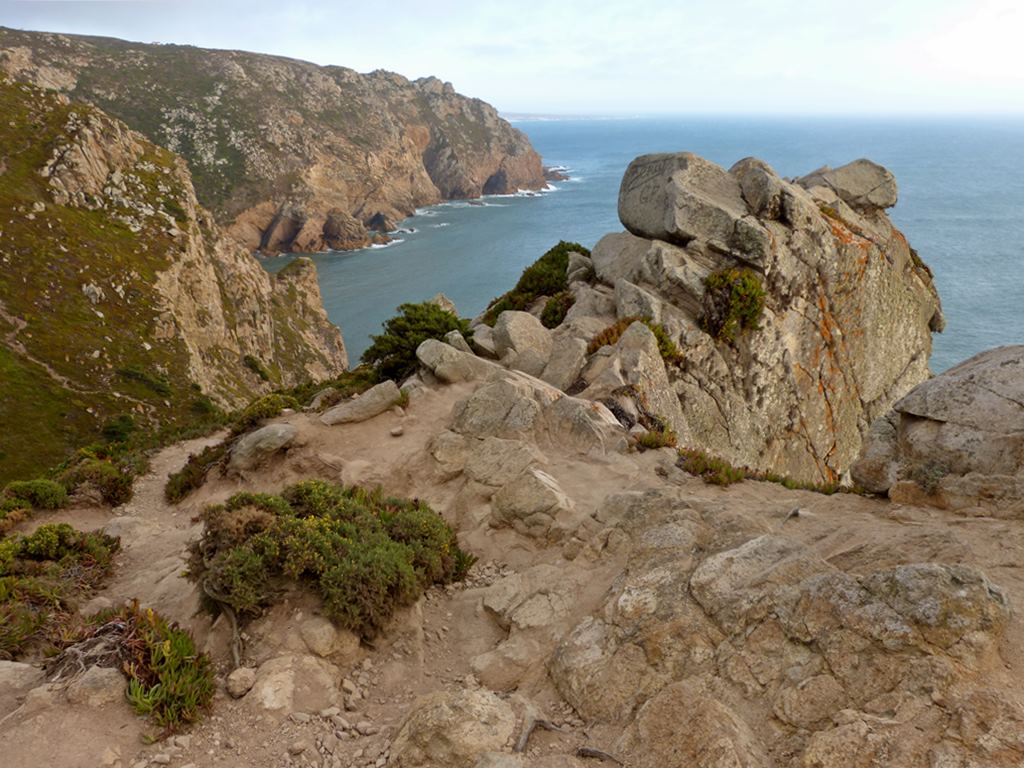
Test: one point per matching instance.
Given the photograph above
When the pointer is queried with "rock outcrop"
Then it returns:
(288, 155)
(845, 329)
(955, 441)
(118, 292)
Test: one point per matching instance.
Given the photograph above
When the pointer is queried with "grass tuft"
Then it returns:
(733, 303)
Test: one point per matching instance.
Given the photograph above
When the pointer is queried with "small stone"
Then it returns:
(397, 431)
(297, 748)
(240, 681)
(341, 722)
(366, 728)
(162, 759)
(329, 712)
(300, 717)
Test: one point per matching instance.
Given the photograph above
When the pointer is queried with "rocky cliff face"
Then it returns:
(801, 313)
(288, 155)
(118, 292)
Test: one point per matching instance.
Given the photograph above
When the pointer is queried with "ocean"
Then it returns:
(961, 184)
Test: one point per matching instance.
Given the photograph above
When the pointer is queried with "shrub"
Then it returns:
(41, 575)
(610, 336)
(256, 367)
(545, 277)
(928, 475)
(193, 474)
(556, 309)
(118, 429)
(733, 303)
(266, 407)
(657, 438)
(365, 554)
(38, 494)
(393, 353)
(112, 480)
(156, 383)
(168, 679)
(712, 470)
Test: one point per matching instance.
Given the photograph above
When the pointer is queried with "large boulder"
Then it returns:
(451, 363)
(295, 683)
(453, 729)
(848, 314)
(956, 440)
(863, 185)
(370, 403)
(521, 342)
(256, 447)
(533, 504)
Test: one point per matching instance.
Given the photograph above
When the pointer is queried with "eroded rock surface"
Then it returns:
(956, 440)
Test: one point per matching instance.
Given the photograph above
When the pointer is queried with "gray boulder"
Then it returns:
(256, 447)
(682, 197)
(958, 436)
(451, 364)
(458, 341)
(533, 504)
(372, 402)
(568, 356)
(522, 342)
(863, 185)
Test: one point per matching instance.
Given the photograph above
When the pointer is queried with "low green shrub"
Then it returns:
(38, 494)
(256, 367)
(261, 409)
(545, 277)
(364, 554)
(711, 469)
(119, 428)
(155, 382)
(610, 336)
(927, 475)
(353, 382)
(41, 575)
(733, 303)
(657, 438)
(111, 478)
(556, 309)
(191, 476)
(168, 678)
(393, 353)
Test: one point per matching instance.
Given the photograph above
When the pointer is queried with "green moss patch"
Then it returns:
(364, 554)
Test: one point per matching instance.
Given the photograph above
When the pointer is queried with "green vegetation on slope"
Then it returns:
(545, 277)
(393, 353)
(363, 553)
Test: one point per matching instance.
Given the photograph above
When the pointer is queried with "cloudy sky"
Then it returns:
(639, 57)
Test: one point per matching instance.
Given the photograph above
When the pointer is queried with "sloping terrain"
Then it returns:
(119, 295)
(287, 154)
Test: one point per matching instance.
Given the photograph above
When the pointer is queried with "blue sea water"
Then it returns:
(961, 206)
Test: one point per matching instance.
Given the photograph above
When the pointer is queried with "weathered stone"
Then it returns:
(293, 683)
(516, 333)
(97, 686)
(862, 184)
(445, 303)
(458, 341)
(532, 504)
(713, 735)
(451, 452)
(495, 461)
(453, 729)
(257, 447)
(580, 267)
(16, 679)
(952, 432)
(633, 301)
(370, 403)
(500, 408)
(568, 356)
(451, 364)
(483, 341)
(240, 682)
(319, 635)
(761, 187)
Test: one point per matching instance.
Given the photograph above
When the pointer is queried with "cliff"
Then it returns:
(119, 294)
(289, 156)
(798, 314)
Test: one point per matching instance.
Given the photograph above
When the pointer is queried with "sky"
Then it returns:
(618, 58)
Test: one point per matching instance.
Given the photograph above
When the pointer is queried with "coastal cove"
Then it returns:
(961, 190)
